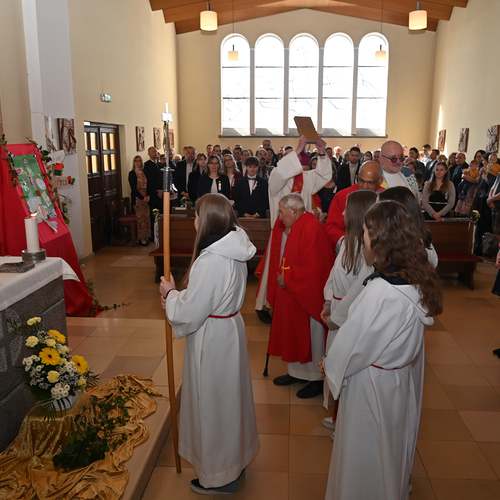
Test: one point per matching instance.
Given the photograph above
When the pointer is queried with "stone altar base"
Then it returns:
(15, 397)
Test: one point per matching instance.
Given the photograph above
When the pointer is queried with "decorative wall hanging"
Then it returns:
(492, 141)
(441, 140)
(139, 138)
(67, 138)
(463, 141)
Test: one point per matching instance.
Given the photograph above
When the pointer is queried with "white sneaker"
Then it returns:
(329, 423)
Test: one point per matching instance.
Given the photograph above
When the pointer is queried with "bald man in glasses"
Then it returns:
(392, 162)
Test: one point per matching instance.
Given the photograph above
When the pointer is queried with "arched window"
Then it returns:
(303, 77)
(372, 87)
(235, 83)
(338, 61)
(269, 85)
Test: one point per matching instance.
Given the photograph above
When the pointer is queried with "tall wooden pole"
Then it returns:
(168, 328)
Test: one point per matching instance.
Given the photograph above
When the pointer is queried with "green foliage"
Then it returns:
(97, 429)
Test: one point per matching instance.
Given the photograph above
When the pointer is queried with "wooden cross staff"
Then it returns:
(167, 117)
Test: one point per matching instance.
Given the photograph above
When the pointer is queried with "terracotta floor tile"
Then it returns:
(492, 453)
(422, 489)
(429, 376)
(418, 467)
(435, 398)
(109, 346)
(167, 456)
(264, 391)
(310, 454)
(454, 460)
(272, 419)
(484, 425)
(307, 486)
(466, 489)
(135, 365)
(436, 326)
(79, 331)
(446, 355)
(492, 373)
(307, 420)
(483, 355)
(475, 339)
(97, 364)
(458, 374)
(74, 341)
(165, 483)
(143, 347)
(260, 484)
(442, 425)
(439, 339)
(273, 454)
(473, 398)
(149, 333)
(106, 331)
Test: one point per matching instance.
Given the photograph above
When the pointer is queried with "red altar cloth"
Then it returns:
(13, 210)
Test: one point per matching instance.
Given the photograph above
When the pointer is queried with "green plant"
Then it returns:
(97, 429)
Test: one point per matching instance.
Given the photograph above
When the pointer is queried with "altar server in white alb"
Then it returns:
(218, 430)
(369, 362)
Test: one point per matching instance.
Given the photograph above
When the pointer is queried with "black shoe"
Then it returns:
(227, 489)
(264, 316)
(143, 244)
(152, 240)
(288, 380)
(311, 390)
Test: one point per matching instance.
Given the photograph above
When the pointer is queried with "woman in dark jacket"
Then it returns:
(214, 181)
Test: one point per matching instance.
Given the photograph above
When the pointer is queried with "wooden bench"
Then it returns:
(452, 239)
(183, 233)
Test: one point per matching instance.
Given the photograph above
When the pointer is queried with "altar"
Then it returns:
(37, 292)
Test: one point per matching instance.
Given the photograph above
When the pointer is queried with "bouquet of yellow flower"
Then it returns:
(51, 372)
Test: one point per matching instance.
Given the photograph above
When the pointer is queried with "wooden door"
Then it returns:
(103, 176)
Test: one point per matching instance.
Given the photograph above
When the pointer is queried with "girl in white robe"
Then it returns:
(369, 362)
(218, 430)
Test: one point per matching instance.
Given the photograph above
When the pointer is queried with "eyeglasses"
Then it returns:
(395, 159)
(370, 183)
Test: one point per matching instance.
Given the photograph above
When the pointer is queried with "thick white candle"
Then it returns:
(31, 227)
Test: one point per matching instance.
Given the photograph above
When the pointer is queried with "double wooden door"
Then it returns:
(102, 152)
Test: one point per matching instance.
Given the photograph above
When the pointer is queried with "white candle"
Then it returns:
(31, 227)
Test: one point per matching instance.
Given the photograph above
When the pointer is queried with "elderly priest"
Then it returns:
(297, 333)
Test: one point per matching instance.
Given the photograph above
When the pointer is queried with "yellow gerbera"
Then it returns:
(81, 363)
(57, 335)
(49, 356)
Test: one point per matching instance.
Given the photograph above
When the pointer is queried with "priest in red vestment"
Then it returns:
(297, 333)
(370, 176)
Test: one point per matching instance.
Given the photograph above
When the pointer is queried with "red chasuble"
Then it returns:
(306, 264)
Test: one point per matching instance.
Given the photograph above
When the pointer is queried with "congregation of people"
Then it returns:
(347, 283)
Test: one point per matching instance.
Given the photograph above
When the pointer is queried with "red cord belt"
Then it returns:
(380, 368)
(224, 317)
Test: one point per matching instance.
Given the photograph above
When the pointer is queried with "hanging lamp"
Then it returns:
(232, 55)
(418, 19)
(208, 19)
(381, 55)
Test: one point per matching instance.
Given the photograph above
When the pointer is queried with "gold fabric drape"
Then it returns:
(26, 468)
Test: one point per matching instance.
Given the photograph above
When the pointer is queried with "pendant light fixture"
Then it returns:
(418, 19)
(208, 19)
(232, 55)
(381, 55)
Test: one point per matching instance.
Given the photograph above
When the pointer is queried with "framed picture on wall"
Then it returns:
(171, 138)
(139, 138)
(67, 138)
(463, 140)
(441, 140)
(492, 139)
(157, 137)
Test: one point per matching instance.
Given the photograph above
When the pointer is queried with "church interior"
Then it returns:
(58, 57)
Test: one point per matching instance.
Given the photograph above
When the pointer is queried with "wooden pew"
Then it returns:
(183, 233)
(452, 239)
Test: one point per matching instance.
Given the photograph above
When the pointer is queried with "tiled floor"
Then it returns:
(458, 451)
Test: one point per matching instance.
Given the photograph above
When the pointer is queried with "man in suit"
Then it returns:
(154, 176)
(432, 163)
(347, 174)
(251, 197)
(461, 166)
(264, 169)
(182, 171)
